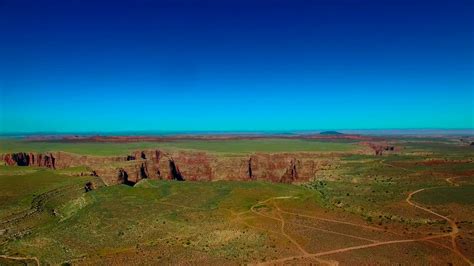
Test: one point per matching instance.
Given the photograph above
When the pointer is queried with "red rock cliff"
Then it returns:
(182, 165)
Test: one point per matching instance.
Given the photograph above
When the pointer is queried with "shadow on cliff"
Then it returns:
(175, 173)
(123, 178)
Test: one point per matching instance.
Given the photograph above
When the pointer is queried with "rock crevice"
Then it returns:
(175, 174)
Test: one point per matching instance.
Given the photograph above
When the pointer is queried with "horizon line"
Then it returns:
(296, 131)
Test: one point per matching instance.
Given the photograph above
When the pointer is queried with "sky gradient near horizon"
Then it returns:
(81, 66)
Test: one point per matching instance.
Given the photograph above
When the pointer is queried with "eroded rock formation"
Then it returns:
(380, 148)
(143, 171)
(30, 159)
(291, 173)
(175, 174)
(183, 165)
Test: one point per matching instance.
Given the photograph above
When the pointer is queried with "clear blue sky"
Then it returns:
(235, 65)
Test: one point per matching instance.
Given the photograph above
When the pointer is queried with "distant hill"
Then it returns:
(330, 133)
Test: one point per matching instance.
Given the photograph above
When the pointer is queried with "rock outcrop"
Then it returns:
(30, 159)
(380, 148)
(183, 165)
(89, 186)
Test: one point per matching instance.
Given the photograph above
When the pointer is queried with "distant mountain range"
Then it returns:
(330, 133)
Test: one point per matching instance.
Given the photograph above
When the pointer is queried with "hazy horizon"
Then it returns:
(394, 132)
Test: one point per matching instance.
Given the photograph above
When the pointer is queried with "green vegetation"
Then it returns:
(166, 214)
(370, 186)
(445, 195)
(440, 148)
(265, 145)
(18, 186)
(47, 214)
(222, 146)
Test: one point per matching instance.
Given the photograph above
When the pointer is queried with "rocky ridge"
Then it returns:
(182, 165)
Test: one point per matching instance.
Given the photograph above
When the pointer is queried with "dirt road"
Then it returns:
(305, 255)
(454, 228)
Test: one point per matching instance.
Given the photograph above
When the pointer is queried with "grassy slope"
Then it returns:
(19, 185)
(179, 215)
(445, 195)
(227, 146)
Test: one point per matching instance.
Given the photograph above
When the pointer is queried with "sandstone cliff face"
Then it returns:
(182, 165)
(30, 159)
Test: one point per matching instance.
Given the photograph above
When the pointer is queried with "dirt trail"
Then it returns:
(282, 223)
(396, 166)
(282, 229)
(330, 252)
(21, 258)
(180, 206)
(454, 232)
(450, 180)
(305, 254)
(454, 228)
(335, 221)
(336, 233)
